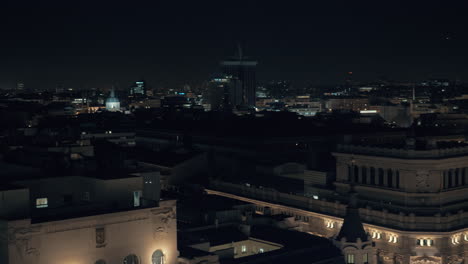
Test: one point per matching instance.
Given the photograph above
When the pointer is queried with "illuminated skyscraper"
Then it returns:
(224, 92)
(138, 89)
(244, 70)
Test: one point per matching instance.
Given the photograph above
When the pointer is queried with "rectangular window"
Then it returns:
(364, 175)
(424, 242)
(244, 248)
(463, 177)
(261, 250)
(136, 198)
(41, 203)
(372, 176)
(430, 242)
(350, 259)
(397, 179)
(365, 258)
(444, 179)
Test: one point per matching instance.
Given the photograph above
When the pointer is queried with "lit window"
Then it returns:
(136, 198)
(261, 250)
(429, 242)
(376, 235)
(465, 237)
(456, 239)
(157, 257)
(392, 238)
(41, 203)
(350, 259)
(365, 258)
(330, 224)
(244, 249)
(425, 242)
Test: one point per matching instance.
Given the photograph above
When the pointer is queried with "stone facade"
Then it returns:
(147, 235)
(394, 245)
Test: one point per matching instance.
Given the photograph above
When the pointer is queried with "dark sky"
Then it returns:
(95, 43)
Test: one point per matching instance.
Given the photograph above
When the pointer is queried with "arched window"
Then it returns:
(356, 174)
(131, 259)
(157, 257)
(101, 261)
(381, 177)
(364, 175)
(390, 178)
(372, 175)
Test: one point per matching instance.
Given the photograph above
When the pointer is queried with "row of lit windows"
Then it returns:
(244, 250)
(377, 235)
(43, 202)
(425, 242)
(457, 239)
(454, 178)
(373, 176)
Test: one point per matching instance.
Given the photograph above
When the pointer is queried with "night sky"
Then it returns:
(96, 43)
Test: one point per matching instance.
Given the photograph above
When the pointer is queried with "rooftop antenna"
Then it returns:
(239, 50)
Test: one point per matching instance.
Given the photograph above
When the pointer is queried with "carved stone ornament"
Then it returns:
(100, 237)
(21, 238)
(425, 260)
(164, 218)
(455, 259)
(399, 258)
(422, 179)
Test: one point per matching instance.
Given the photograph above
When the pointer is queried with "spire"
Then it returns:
(112, 93)
(352, 227)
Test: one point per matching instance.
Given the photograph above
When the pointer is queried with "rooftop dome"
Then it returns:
(112, 102)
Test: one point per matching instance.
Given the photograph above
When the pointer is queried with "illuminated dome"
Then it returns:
(112, 103)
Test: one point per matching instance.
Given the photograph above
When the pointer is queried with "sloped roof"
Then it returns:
(352, 227)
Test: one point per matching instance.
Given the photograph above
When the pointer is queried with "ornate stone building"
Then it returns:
(420, 194)
(412, 201)
(81, 220)
(131, 237)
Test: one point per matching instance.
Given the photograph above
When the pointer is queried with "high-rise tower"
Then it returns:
(138, 89)
(244, 69)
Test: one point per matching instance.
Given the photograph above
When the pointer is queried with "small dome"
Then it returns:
(112, 102)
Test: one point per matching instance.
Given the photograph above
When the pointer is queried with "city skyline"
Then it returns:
(169, 44)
